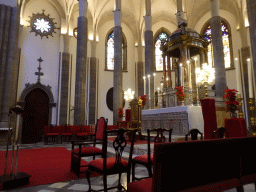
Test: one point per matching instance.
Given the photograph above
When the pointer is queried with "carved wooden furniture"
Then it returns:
(148, 159)
(193, 133)
(112, 165)
(79, 152)
(235, 169)
(135, 118)
(220, 133)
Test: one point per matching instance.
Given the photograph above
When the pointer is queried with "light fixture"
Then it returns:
(129, 95)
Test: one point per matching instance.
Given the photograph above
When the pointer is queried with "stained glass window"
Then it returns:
(226, 45)
(110, 53)
(158, 52)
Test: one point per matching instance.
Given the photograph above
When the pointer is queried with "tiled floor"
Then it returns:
(82, 184)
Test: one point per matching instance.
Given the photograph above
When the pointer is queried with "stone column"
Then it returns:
(64, 95)
(220, 72)
(81, 57)
(118, 71)
(10, 62)
(251, 8)
(140, 70)
(149, 53)
(92, 84)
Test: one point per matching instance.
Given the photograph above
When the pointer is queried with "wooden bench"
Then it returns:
(207, 165)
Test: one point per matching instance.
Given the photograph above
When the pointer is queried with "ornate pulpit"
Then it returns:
(136, 108)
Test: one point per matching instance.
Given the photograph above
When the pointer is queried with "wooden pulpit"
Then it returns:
(136, 110)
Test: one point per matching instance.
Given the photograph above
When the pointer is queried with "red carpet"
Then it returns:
(46, 165)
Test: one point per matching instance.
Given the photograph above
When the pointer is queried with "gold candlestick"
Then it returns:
(253, 119)
(240, 111)
(206, 90)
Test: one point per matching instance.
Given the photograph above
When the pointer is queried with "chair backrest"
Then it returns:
(193, 133)
(159, 138)
(179, 161)
(220, 133)
(119, 144)
(101, 126)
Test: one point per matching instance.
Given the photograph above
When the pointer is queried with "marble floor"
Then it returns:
(82, 184)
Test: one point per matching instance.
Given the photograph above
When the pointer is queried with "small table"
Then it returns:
(236, 127)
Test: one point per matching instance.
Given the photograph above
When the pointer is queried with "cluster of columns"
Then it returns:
(9, 60)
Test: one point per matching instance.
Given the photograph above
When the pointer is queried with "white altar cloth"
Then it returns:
(195, 115)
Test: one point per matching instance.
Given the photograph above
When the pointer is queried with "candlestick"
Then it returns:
(253, 119)
(250, 78)
(238, 77)
(240, 111)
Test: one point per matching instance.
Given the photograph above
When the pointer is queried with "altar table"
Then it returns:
(181, 119)
(236, 127)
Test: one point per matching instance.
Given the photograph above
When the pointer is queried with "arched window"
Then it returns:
(109, 66)
(158, 53)
(226, 40)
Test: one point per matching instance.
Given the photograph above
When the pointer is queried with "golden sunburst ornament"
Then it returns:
(42, 24)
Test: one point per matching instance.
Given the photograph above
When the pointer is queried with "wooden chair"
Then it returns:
(87, 151)
(112, 165)
(147, 159)
(193, 133)
(220, 133)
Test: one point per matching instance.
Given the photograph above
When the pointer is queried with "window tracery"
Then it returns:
(226, 45)
(110, 52)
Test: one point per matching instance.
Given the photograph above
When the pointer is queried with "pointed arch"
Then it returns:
(109, 51)
(226, 39)
(161, 33)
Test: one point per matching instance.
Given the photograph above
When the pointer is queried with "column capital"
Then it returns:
(214, 7)
(148, 22)
(117, 17)
(83, 4)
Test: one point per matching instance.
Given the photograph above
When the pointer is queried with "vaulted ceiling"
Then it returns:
(101, 11)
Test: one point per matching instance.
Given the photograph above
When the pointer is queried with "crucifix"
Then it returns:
(39, 70)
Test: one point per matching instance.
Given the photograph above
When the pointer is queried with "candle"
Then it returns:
(161, 87)
(144, 85)
(149, 86)
(154, 81)
(167, 80)
(238, 77)
(249, 78)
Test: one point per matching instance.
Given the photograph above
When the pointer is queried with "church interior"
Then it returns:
(140, 64)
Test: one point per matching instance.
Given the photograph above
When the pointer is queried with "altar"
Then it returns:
(181, 119)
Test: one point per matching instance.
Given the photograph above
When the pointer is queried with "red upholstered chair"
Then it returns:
(66, 132)
(49, 131)
(113, 165)
(220, 133)
(147, 159)
(84, 132)
(193, 133)
(90, 149)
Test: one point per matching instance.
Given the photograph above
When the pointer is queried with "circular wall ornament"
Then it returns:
(75, 32)
(109, 98)
(42, 24)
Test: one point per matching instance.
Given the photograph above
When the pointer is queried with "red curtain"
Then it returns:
(236, 127)
(209, 115)
(128, 115)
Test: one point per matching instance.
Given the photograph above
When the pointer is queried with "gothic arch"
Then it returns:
(226, 23)
(124, 42)
(158, 32)
(46, 89)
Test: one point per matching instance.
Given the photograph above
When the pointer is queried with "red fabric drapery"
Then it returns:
(209, 115)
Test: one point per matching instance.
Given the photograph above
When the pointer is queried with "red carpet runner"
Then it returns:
(46, 165)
